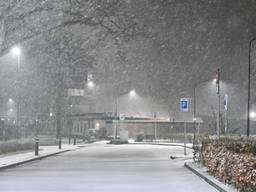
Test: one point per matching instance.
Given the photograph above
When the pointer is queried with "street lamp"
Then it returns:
(10, 100)
(90, 84)
(194, 110)
(132, 94)
(218, 92)
(252, 114)
(16, 51)
(249, 87)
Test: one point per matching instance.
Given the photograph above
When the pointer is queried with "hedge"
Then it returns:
(232, 161)
(16, 145)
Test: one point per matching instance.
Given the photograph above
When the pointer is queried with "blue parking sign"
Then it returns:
(184, 104)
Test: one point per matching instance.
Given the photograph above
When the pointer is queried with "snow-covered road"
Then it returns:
(107, 168)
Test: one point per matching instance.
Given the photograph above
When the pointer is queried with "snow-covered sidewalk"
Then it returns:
(202, 172)
(18, 158)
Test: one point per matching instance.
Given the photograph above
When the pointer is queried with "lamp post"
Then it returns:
(16, 51)
(249, 88)
(194, 108)
(218, 93)
(132, 93)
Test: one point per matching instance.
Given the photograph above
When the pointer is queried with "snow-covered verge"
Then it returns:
(232, 161)
(16, 145)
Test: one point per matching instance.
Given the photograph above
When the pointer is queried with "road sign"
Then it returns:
(184, 104)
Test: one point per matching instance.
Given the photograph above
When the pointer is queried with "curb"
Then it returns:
(208, 180)
(32, 159)
(172, 145)
(165, 144)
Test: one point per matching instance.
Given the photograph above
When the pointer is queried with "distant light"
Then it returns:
(194, 119)
(16, 51)
(253, 114)
(2, 119)
(89, 77)
(132, 93)
(11, 110)
(97, 125)
(90, 84)
(10, 100)
(51, 114)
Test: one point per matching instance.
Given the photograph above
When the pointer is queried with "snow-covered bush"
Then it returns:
(16, 145)
(232, 162)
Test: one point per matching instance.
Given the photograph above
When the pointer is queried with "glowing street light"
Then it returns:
(97, 125)
(215, 80)
(90, 84)
(132, 93)
(10, 100)
(252, 114)
(16, 51)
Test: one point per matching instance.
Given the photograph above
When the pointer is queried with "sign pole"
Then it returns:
(185, 138)
(155, 125)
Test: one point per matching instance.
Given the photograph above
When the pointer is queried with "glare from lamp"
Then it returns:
(253, 114)
(16, 51)
(90, 84)
(10, 100)
(132, 93)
